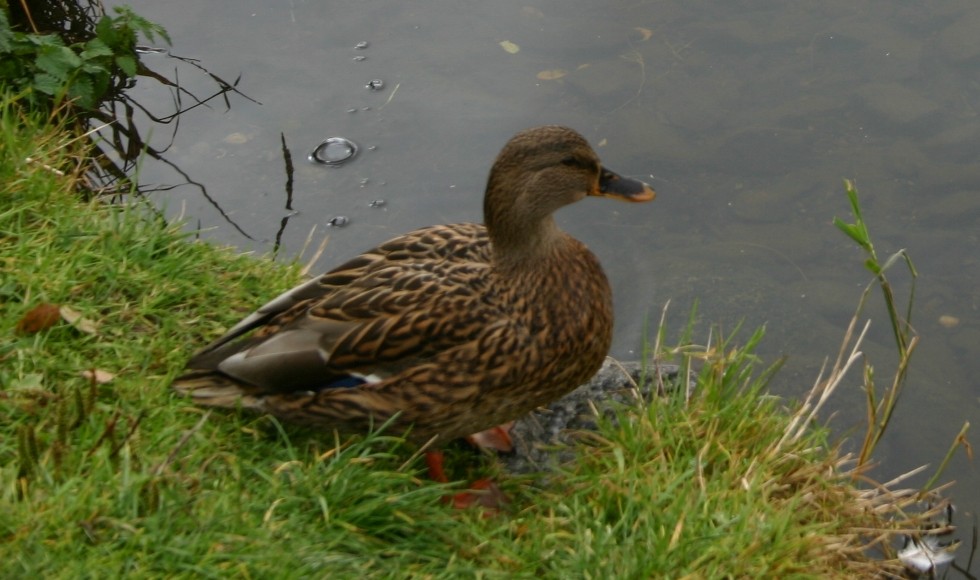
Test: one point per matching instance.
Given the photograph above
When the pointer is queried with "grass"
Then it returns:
(109, 474)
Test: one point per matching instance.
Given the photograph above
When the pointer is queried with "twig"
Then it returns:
(158, 470)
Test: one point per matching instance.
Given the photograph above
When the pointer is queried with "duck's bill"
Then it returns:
(612, 184)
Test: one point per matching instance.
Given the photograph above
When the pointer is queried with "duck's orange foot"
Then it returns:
(483, 492)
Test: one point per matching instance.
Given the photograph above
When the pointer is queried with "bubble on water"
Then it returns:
(361, 45)
(338, 221)
(375, 84)
(359, 58)
(378, 203)
(334, 151)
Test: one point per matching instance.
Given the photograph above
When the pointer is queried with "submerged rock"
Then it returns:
(541, 438)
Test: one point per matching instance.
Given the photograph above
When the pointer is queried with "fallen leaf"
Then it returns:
(98, 376)
(40, 317)
(602, 143)
(553, 74)
(510, 46)
(75, 318)
(646, 32)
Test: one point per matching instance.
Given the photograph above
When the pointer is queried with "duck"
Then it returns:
(443, 332)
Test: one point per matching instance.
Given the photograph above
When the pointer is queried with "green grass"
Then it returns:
(124, 478)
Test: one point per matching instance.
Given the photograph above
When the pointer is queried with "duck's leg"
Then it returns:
(463, 499)
(487, 494)
(496, 438)
(434, 460)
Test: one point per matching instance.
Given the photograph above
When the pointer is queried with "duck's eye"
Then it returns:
(573, 162)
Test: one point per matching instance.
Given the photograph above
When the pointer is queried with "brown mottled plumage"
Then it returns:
(455, 328)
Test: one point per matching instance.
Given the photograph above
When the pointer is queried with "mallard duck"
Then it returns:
(447, 330)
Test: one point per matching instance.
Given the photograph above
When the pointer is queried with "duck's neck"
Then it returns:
(522, 246)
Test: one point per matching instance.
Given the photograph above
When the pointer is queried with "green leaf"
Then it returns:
(6, 34)
(141, 25)
(106, 33)
(45, 40)
(853, 231)
(96, 71)
(58, 61)
(157, 30)
(82, 90)
(48, 84)
(852, 195)
(94, 49)
(100, 78)
(11, 73)
(127, 64)
(95, 68)
(893, 258)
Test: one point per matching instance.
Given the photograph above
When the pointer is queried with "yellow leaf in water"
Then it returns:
(949, 321)
(75, 318)
(553, 74)
(531, 11)
(236, 139)
(510, 46)
(646, 32)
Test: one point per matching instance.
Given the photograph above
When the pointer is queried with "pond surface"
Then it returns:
(744, 116)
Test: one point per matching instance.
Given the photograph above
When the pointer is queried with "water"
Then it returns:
(743, 115)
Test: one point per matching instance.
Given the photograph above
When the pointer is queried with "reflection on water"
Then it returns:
(744, 117)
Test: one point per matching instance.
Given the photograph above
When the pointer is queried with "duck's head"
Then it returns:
(539, 171)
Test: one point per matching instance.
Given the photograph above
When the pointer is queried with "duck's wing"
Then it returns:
(363, 321)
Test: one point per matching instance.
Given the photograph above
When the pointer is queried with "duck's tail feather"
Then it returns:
(213, 389)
